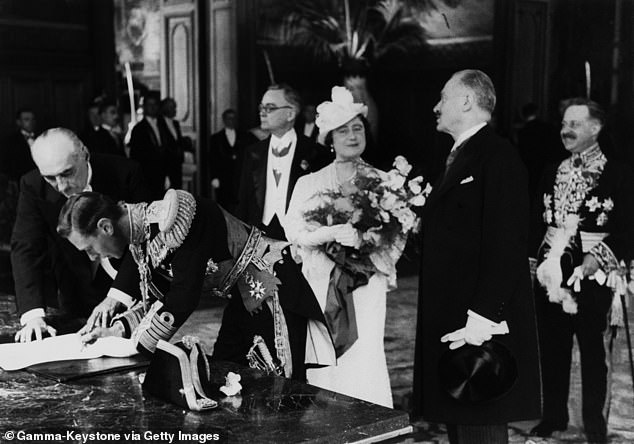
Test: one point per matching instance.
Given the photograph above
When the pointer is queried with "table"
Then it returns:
(270, 409)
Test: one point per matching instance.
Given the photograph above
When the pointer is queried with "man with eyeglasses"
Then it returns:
(585, 229)
(48, 270)
(272, 166)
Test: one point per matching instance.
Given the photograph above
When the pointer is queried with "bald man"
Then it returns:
(48, 270)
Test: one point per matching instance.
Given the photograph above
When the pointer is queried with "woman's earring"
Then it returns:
(332, 148)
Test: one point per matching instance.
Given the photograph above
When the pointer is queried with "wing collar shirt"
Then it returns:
(105, 263)
(276, 192)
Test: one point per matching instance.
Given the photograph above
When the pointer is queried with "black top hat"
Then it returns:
(473, 375)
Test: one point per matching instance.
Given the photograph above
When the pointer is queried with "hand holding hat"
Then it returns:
(342, 109)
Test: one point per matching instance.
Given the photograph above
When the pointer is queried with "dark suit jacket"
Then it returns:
(475, 230)
(151, 154)
(36, 247)
(226, 164)
(539, 145)
(299, 128)
(308, 157)
(15, 156)
(101, 141)
(174, 152)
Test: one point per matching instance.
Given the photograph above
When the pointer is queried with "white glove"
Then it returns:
(348, 236)
(321, 235)
(477, 331)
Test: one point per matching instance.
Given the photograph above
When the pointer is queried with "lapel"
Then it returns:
(177, 126)
(296, 171)
(259, 171)
(150, 131)
(464, 159)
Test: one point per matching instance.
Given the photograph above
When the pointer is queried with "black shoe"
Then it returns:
(546, 428)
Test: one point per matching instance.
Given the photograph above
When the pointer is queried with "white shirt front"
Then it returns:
(276, 193)
(230, 134)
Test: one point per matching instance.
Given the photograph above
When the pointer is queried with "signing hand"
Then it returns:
(91, 336)
(348, 236)
(102, 314)
(35, 326)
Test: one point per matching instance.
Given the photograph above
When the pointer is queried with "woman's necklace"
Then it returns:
(345, 171)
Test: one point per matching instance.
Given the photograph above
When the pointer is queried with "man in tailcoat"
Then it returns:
(47, 269)
(106, 138)
(148, 146)
(226, 151)
(583, 229)
(272, 166)
(475, 282)
(175, 143)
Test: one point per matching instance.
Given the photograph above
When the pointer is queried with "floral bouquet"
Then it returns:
(380, 206)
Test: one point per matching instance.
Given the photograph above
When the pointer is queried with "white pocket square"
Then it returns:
(466, 180)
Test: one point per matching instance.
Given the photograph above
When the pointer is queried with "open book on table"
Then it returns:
(62, 348)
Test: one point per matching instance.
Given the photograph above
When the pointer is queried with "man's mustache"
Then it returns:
(571, 136)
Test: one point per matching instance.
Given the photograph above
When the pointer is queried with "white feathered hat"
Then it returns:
(342, 109)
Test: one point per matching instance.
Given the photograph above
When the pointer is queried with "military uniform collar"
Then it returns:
(588, 156)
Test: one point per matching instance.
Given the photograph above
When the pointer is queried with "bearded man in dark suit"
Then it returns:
(475, 280)
(272, 166)
(47, 269)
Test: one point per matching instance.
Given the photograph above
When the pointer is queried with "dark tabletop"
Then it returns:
(269, 409)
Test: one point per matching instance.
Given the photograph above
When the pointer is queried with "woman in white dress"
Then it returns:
(358, 367)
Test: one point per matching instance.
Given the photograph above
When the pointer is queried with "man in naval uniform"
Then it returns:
(583, 229)
(182, 248)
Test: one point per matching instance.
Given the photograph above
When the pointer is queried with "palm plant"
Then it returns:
(332, 29)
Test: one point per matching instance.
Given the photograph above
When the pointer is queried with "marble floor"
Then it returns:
(399, 344)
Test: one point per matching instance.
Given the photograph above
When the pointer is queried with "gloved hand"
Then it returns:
(35, 326)
(321, 235)
(588, 268)
(348, 236)
(476, 332)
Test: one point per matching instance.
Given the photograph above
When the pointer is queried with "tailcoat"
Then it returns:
(474, 257)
